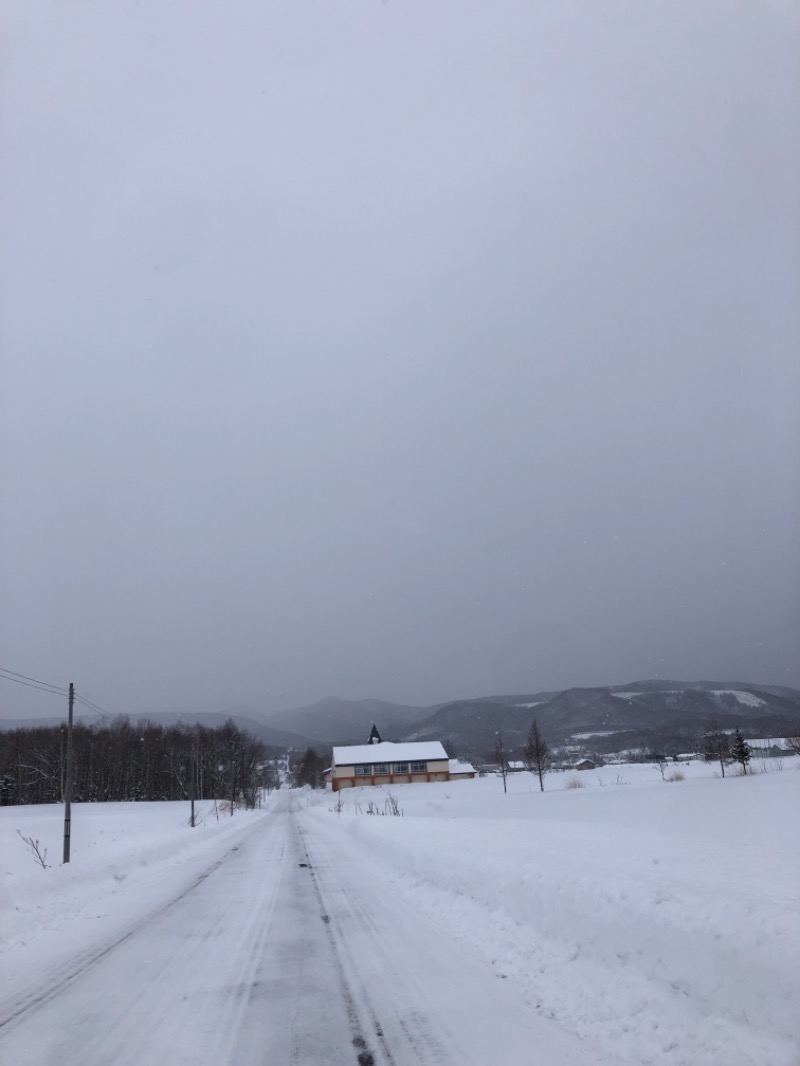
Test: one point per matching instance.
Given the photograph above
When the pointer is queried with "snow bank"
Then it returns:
(656, 920)
(126, 860)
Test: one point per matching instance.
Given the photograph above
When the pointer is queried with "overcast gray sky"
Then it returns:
(403, 349)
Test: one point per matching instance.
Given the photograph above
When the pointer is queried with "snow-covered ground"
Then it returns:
(627, 921)
(126, 860)
(659, 921)
(246, 945)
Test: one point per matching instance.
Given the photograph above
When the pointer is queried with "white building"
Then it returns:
(384, 763)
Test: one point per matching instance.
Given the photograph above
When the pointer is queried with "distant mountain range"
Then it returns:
(664, 716)
(645, 715)
(667, 716)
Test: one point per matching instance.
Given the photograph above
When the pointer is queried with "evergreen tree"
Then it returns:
(740, 750)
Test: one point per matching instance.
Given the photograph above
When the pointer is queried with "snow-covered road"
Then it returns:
(277, 953)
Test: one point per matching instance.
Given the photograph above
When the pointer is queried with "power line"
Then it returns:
(58, 689)
(27, 684)
(39, 686)
(94, 707)
(45, 686)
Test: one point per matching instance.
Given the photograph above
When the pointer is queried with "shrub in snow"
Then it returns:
(390, 807)
(574, 782)
(39, 853)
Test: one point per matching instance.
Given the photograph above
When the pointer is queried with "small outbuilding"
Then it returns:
(585, 764)
(459, 770)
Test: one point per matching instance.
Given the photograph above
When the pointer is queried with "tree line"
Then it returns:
(309, 769)
(717, 746)
(123, 761)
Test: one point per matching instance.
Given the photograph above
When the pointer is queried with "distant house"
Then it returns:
(459, 770)
(385, 763)
(585, 764)
(515, 766)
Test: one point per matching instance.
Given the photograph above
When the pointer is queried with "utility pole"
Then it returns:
(193, 776)
(68, 786)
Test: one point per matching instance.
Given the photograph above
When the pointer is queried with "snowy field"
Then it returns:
(658, 921)
(126, 860)
(652, 922)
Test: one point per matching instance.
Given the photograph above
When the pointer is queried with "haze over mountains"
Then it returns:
(645, 714)
(667, 716)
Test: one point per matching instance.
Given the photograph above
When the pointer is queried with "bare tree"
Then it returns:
(537, 753)
(794, 744)
(662, 764)
(499, 756)
(270, 776)
(125, 762)
(310, 770)
(716, 745)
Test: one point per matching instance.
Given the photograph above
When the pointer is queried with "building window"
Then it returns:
(401, 767)
(363, 771)
(381, 768)
(419, 767)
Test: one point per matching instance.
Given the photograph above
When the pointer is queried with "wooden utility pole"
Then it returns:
(193, 776)
(68, 786)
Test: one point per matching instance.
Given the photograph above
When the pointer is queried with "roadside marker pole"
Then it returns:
(193, 776)
(68, 786)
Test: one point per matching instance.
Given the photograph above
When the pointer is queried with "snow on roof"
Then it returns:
(457, 767)
(386, 751)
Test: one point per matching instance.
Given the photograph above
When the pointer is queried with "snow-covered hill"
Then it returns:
(667, 716)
